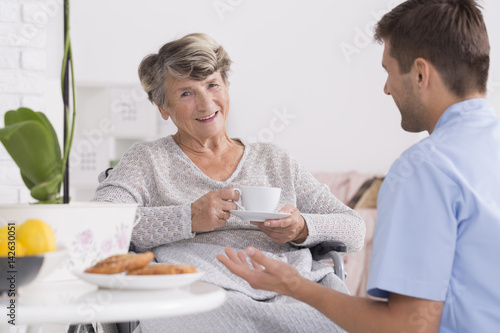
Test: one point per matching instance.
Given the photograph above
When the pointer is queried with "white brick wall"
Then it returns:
(9, 11)
(9, 58)
(33, 60)
(8, 102)
(23, 65)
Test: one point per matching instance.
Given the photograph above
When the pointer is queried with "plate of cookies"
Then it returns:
(135, 271)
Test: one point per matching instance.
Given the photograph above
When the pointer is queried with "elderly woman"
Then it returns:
(184, 187)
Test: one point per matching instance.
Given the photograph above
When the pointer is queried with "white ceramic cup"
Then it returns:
(258, 198)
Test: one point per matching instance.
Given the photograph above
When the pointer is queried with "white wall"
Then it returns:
(30, 31)
(287, 55)
(287, 58)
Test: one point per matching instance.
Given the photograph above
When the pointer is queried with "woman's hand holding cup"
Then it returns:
(211, 211)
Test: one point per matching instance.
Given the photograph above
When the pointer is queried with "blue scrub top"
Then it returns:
(438, 227)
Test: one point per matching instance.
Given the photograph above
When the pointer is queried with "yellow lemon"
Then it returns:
(10, 247)
(37, 236)
(4, 231)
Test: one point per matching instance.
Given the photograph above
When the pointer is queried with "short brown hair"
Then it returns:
(451, 34)
(195, 56)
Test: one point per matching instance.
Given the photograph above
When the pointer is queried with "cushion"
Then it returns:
(366, 196)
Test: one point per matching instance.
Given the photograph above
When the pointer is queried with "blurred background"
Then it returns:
(306, 76)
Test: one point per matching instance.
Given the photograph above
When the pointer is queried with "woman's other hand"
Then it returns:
(267, 274)
(290, 229)
(212, 210)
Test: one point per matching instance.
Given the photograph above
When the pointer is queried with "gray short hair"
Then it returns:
(194, 56)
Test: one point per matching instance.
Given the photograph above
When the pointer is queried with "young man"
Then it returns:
(436, 244)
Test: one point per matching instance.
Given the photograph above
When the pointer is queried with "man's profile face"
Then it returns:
(403, 92)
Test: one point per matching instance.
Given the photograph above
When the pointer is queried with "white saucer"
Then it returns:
(258, 216)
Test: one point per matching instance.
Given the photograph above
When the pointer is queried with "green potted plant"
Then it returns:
(31, 141)
(89, 231)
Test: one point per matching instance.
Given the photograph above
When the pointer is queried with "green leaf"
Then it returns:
(19, 115)
(29, 184)
(57, 148)
(24, 114)
(49, 190)
(31, 146)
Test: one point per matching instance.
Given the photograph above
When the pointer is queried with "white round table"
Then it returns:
(75, 302)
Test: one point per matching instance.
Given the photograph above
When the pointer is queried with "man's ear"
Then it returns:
(422, 72)
(163, 113)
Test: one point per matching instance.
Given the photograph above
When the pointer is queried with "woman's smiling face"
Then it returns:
(199, 109)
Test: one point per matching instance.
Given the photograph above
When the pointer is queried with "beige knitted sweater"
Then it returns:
(165, 182)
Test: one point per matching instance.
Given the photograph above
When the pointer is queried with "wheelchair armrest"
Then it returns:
(331, 251)
(103, 175)
(320, 251)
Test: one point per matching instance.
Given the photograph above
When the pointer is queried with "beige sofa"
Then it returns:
(346, 186)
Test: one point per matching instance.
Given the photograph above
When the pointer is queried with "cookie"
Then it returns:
(121, 263)
(162, 269)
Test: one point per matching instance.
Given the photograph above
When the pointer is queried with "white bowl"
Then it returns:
(51, 262)
(25, 270)
(89, 231)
